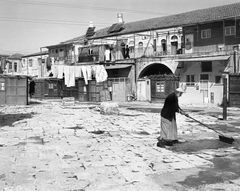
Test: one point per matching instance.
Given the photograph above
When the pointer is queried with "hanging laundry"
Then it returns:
(78, 72)
(66, 71)
(89, 72)
(107, 55)
(101, 73)
(71, 76)
(84, 72)
(60, 70)
(55, 71)
(93, 70)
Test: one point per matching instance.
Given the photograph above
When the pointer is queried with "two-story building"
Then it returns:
(36, 64)
(148, 59)
(13, 64)
(195, 48)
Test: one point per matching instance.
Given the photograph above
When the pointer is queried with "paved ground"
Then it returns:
(47, 146)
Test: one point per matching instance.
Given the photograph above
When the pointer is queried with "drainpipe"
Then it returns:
(234, 61)
(41, 62)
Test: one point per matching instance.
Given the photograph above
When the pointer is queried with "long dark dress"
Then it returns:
(168, 118)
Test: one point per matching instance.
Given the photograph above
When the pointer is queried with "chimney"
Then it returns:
(91, 24)
(120, 18)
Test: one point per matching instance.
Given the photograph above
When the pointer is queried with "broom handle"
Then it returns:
(203, 124)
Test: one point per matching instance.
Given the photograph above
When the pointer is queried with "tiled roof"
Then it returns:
(182, 19)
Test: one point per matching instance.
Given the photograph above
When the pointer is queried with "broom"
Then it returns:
(222, 137)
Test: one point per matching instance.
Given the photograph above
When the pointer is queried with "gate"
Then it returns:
(120, 89)
(13, 90)
(234, 90)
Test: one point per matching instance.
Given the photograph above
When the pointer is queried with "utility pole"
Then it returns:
(225, 98)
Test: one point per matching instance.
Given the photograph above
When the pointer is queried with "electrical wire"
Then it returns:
(49, 21)
(64, 5)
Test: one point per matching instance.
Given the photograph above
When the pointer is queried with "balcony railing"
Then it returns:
(118, 54)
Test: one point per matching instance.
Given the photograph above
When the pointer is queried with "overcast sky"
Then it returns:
(27, 25)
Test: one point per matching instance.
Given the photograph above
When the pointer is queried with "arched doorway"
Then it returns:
(163, 81)
(155, 69)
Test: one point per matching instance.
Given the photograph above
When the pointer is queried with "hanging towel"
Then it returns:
(66, 75)
(89, 72)
(71, 76)
(60, 70)
(84, 72)
(78, 71)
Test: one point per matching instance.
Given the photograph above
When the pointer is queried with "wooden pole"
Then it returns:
(224, 98)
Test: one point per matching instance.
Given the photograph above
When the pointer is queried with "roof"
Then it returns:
(117, 66)
(209, 58)
(36, 54)
(59, 45)
(79, 39)
(4, 55)
(15, 56)
(177, 20)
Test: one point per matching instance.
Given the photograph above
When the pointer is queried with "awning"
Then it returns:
(209, 58)
(117, 66)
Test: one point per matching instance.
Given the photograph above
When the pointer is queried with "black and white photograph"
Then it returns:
(119, 95)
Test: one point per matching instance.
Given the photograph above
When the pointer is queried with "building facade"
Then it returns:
(148, 59)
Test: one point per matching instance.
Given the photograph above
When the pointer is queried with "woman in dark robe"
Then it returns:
(168, 134)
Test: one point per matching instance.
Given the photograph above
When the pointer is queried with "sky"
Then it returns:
(28, 25)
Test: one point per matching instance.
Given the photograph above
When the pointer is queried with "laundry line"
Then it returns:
(70, 72)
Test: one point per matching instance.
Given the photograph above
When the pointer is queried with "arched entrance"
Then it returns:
(155, 69)
(163, 81)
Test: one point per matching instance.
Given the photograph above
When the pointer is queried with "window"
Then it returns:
(204, 77)
(50, 86)
(30, 62)
(15, 66)
(160, 87)
(2, 86)
(217, 79)
(206, 33)
(90, 51)
(206, 66)
(190, 80)
(230, 30)
(10, 65)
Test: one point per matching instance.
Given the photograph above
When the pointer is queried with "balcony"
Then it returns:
(117, 54)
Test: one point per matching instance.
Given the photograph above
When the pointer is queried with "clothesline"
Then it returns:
(76, 71)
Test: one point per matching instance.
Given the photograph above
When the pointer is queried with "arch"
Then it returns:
(174, 38)
(154, 69)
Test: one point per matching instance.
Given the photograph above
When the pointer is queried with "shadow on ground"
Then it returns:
(224, 169)
(9, 119)
(198, 145)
